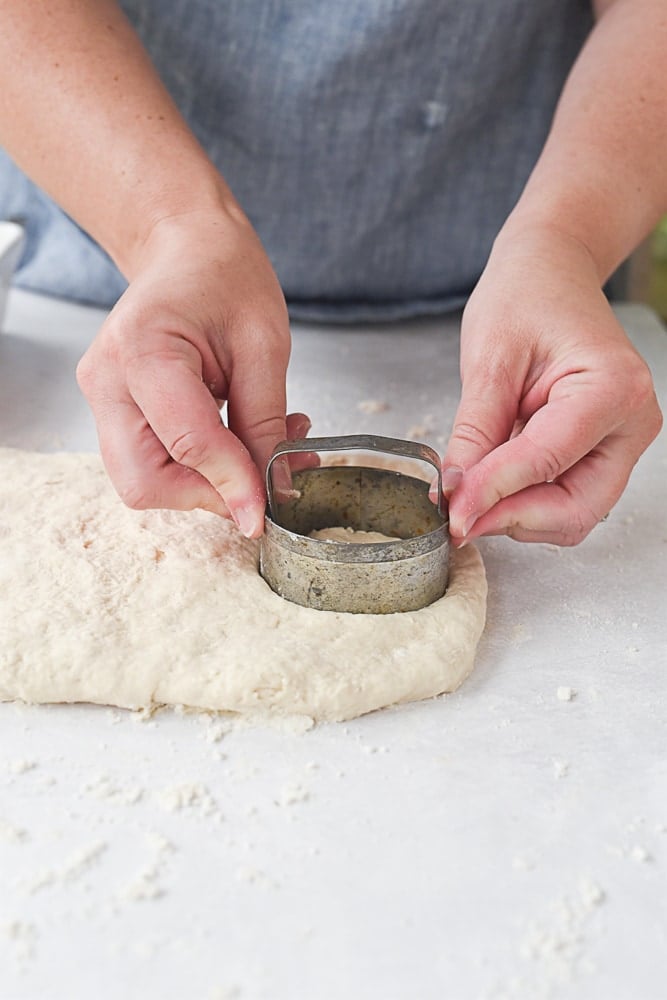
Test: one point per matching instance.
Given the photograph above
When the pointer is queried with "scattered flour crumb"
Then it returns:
(215, 732)
(21, 766)
(102, 787)
(193, 797)
(523, 863)
(561, 768)
(418, 431)
(145, 886)
(215, 728)
(11, 834)
(520, 634)
(293, 793)
(373, 406)
(556, 945)
(144, 714)
(158, 842)
(590, 893)
(256, 877)
(565, 693)
(76, 865)
(226, 993)
(640, 854)
(23, 936)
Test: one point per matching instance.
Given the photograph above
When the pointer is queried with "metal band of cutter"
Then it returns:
(405, 574)
(355, 442)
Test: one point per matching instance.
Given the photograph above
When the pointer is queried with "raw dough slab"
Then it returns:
(102, 604)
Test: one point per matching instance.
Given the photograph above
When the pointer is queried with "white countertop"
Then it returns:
(496, 844)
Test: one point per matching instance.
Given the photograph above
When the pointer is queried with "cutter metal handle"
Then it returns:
(355, 442)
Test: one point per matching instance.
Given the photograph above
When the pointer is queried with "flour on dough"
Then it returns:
(103, 604)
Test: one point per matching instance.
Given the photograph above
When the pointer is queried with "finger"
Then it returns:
(257, 406)
(181, 411)
(298, 427)
(484, 418)
(554, 439)
(451, 479)
(140, 468)
(565, 511)
(257, 399)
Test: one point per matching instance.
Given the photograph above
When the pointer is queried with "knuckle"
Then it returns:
(471, 434)
(642, 392)
(579, 524)
(267, 428)
(189, 449)
(656, 422)
(547, 466)
(268, 341)
(632, 387)
(136, 494)
(85, 374)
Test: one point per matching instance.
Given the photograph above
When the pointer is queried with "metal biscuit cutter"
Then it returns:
(367, 578)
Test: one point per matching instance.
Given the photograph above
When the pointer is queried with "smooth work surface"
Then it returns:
(504, 842)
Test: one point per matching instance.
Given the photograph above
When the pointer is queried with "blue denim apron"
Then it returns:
(376, 146)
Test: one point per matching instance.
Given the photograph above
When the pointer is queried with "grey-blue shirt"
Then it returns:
(377, 146)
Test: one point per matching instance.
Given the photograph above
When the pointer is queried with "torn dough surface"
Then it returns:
(136, 609)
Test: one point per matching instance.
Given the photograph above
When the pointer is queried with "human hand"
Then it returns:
(203, 321)
(556, 405)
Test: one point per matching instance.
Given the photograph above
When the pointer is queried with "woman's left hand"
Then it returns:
(556, 405)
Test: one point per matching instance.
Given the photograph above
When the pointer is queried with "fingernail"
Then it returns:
(245, 519)
(451, 477)
(303, 427)
(285, 495)
(281, 478)
(468, 524)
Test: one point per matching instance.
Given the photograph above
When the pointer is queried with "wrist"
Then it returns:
(536, 239)
(588, 209)
(170, 210)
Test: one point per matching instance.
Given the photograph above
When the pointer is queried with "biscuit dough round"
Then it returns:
(137, 609)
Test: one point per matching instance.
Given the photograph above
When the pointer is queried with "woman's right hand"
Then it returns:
(203, 321)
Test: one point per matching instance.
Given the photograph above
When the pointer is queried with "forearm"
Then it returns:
(84, 113)
(602, 177)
